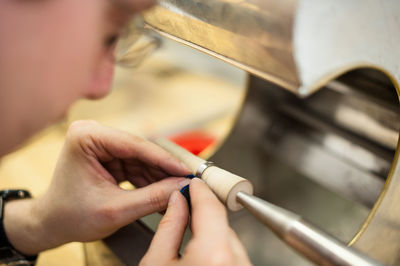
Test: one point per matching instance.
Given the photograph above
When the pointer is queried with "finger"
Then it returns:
(208, 214)
(105, 144)
(139, 182)
(160, 159)
(156, 173)
(168, 238)
(143, 201)
(238, 249)
(140, 170)
(116, 169)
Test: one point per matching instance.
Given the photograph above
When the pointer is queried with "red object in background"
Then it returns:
(193, 141)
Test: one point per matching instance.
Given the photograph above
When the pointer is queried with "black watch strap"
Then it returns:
(8, 254)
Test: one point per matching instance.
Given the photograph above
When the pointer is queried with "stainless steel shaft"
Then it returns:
(313, 243)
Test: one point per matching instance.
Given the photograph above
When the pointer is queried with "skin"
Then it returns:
(62, 49)
(53, 53)
(213, 242)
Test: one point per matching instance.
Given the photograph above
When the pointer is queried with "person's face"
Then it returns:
(53, 52)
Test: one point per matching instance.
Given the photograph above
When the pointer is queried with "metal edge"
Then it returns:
(288, 85)
(210, 151)
(391, 174)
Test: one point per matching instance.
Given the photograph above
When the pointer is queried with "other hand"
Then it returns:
(213, 242)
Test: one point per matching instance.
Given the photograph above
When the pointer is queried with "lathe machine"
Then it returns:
(322, 103)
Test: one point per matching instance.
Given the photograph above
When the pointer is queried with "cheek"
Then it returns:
(76, 48)
(53, 50)
(49, 51)
(81, 66)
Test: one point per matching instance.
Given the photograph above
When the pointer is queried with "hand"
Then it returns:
(213, 242)
(84, 201)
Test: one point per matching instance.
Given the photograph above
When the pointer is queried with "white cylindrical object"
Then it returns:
(223, 183)
(226, 185)
(189, 159)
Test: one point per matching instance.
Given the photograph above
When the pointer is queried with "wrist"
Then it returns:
(25, 228)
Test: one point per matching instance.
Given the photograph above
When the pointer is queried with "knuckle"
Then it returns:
(79, 129)
(221, 256)
(166, 222)
(109, 215)
(79, 124)
(157, 199)
(80, 134)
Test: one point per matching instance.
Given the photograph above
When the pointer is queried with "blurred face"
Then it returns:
(53, 52)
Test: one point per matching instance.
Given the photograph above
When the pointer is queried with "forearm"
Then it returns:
(24, 227)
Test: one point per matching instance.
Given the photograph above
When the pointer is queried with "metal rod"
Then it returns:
(313, 243)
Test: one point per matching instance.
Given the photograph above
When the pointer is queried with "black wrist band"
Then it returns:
(8, 254)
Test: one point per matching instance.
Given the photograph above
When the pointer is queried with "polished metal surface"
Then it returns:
(203, 167)
(298, 44)
(311, 242)
(351, 132)
(306, 138)
(135, 43)
(254, 35)
(327, 136)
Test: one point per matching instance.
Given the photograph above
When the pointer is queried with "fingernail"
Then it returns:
(196, 179)
(190, 176)
(184, 183)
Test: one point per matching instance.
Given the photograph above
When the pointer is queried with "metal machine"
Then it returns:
(322, 103)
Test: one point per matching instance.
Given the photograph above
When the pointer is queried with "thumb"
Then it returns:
(134, 204)
(168, 238)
